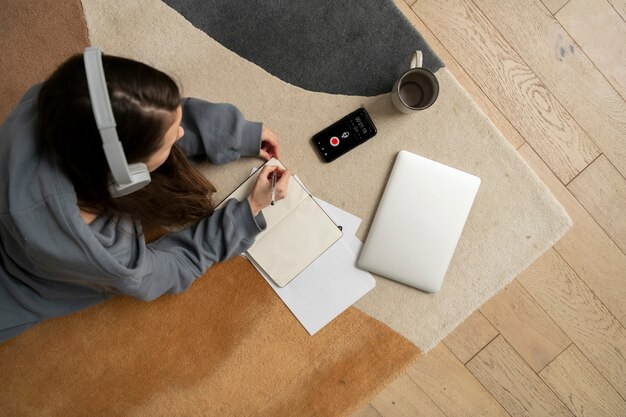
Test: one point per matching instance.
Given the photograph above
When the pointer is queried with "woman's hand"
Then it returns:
(269, 144)
(261, 194)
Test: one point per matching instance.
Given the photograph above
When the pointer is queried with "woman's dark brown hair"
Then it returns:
(144, 102)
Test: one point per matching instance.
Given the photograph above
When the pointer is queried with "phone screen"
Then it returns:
(344, 135)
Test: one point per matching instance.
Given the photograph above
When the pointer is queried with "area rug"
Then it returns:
(34, 42)
(339, 47)
(225, 347)
(514, 218)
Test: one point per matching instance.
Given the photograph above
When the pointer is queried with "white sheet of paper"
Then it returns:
(332, 283)
(326, 288)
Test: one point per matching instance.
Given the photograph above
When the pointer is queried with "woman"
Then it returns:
(66, 243)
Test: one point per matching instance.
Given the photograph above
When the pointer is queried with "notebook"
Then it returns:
(418, 222)
(298, 231)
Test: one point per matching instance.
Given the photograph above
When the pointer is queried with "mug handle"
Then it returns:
(416, 59)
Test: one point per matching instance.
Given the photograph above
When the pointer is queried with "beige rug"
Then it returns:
(513, 221)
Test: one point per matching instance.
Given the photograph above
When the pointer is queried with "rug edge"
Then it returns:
(565, 222)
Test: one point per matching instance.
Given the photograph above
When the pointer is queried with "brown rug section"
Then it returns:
(35, 37)
(228, 347)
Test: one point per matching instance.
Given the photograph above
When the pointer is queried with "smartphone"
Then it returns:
(344, 135)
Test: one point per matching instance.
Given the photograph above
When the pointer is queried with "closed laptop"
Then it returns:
(418, 222)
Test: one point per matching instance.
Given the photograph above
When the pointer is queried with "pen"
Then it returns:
(273, 187)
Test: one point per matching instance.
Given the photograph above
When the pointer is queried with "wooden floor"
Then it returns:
(551, 75)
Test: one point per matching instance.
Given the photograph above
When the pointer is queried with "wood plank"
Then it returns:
(409, 2)
(620, 7)
(404, 398)
(367, 411)
(451, 386)
(524, 325)
(470, 336)
(513, 383)
(482, 101)
(514, 88)
(602, 191)
(585, 320)
(581, 387)
(565, 70)
(601, 33)
(586, 247)
(554, 5)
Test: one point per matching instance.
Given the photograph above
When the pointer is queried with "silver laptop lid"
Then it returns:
(418, 222)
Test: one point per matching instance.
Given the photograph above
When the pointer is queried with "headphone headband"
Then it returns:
(126, 178)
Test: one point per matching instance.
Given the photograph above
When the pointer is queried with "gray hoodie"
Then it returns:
(52, 263)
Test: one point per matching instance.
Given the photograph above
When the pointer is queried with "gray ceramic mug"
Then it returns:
(417, 89)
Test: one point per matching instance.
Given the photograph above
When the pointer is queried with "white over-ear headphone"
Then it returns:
(126, 178)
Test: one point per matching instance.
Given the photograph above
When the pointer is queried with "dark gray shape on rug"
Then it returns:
(341, 47)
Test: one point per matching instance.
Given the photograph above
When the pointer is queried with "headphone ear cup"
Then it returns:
(140, 177)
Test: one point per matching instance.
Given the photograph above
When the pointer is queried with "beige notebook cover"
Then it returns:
(298, 231)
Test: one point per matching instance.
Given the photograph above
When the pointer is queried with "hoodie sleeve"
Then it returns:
(170, 264)
(218, 132)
